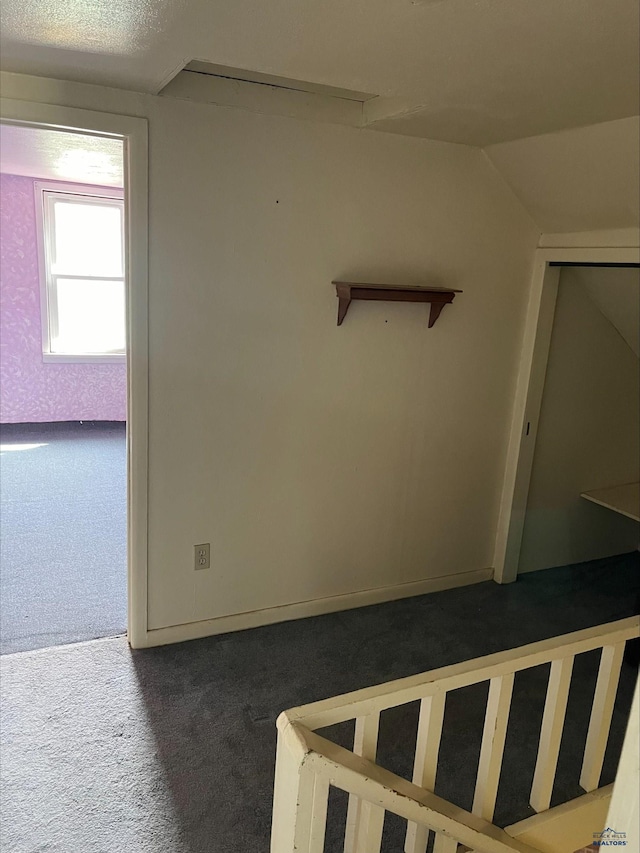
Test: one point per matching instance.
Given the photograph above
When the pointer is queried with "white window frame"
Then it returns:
(46, 192)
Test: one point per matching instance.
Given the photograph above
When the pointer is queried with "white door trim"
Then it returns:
(529, 388)
(133, 132)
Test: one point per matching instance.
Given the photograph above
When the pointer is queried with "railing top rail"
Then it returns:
(375, 699)
(373, 783)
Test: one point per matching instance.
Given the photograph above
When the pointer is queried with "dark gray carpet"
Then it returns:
(63, 516)
(171, 750)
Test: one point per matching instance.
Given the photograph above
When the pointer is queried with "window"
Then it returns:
(83, 274)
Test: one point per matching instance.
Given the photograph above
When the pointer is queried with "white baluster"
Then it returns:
(493, 737)
(445, 844)
(369, 832)
(364, 821)
(426, 762)
(551, 733)
(601, 711)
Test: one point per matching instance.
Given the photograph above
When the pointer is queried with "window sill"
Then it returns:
(84, 358)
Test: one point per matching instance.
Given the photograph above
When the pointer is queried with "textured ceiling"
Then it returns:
(471, 71)
(62, 156)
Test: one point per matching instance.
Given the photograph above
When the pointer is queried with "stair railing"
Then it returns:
(308, 764)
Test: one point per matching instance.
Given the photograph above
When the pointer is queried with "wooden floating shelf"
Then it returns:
(347, 291)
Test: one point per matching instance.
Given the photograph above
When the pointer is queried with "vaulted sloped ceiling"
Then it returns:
(616, 292)
(477, 72)
(578, 180)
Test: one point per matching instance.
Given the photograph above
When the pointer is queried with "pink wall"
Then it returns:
(31, 391)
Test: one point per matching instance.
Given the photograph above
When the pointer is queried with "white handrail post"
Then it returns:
(426, 762)
(493, 738)
(285, 799)
(601, 712)
(555, 707)
(299, 803)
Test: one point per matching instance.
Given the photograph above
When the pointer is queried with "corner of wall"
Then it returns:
(512, 192)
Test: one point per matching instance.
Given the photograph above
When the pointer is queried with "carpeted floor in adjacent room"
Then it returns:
(63, 563)
(171, 750)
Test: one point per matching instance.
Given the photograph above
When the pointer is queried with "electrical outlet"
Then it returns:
(202, 556)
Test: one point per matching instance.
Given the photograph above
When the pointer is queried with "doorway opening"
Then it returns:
(64, 386)
(571, 491)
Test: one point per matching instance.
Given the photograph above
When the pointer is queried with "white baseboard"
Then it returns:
(303, 609)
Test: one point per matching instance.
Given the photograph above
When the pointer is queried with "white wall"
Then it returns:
(588, 434)
(317, 460)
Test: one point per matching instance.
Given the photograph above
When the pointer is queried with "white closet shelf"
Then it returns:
(623, 499)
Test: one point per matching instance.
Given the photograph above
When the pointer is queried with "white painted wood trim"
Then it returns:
(590, 255)
(601, 711)
(555, 707)
(290, 755)
(315, 607)
(624, 810)
(617, 237)
(303, 757)
(392, 793)
(318, 814)
(306, 805)
(445, 844)
(264, 99)
(524, 423)
(369, 700)
(426, 762)
(493, 739)
(137, 195)
(529, 389)
(369, 835)
(428, 741)
(83, 358)
(622, 499)
(365, 743)
(42, 269)
(133, 131)
(567, 827)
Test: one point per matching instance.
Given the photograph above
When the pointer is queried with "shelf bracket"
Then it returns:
(344, 300)
(434, 312)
